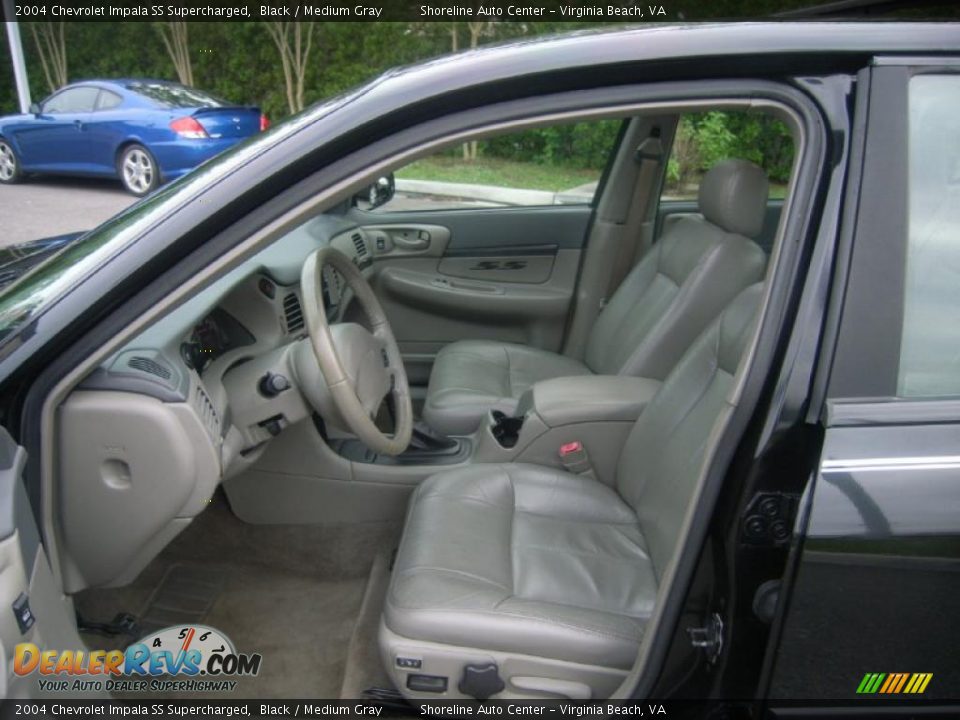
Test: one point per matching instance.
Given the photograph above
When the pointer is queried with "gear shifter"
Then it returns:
(426, 439)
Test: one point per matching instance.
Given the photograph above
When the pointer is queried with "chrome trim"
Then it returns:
(930, 462)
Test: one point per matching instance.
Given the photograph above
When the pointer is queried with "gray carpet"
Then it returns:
(292, 593)
(364, 668)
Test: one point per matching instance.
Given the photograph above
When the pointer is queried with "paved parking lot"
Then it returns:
(46, 207)
(41, 208)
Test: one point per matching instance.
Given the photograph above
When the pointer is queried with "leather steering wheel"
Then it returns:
(361, 367)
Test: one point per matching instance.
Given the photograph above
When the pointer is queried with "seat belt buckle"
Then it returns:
(574, 458)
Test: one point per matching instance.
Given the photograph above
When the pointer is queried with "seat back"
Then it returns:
(662, 457)
(696, 268)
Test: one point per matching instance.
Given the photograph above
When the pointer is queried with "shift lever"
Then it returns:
(426, 438)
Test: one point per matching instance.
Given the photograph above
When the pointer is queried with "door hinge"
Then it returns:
(709, 637)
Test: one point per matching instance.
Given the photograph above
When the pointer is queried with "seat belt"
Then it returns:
(649, 156)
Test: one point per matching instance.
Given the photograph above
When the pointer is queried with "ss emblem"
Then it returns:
(500, 265)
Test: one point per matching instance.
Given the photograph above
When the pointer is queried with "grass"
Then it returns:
(498, 172)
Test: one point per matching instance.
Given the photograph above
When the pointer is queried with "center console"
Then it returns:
(592, 413)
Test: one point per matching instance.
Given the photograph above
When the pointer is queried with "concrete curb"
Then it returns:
(491, 193)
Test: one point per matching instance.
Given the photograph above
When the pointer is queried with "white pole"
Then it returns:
(16, 54)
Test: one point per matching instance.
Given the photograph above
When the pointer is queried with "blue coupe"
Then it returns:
(143, 131)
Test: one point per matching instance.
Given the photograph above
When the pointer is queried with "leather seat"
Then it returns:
(549, 575)
(663, 304)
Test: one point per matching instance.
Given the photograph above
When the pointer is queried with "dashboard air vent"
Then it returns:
(292, 313)
(359, 244)
(206, 411)
(149, 366)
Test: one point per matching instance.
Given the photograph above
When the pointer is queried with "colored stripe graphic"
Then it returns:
(894, 683)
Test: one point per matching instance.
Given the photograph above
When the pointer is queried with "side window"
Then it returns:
(704, 139)
(930, 342)
(108, 100)
(557, 165)
(74, 100)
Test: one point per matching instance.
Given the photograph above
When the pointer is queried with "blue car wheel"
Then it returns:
(10, 171)
(138, 170)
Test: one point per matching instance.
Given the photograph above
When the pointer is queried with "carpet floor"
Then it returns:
(295, 594)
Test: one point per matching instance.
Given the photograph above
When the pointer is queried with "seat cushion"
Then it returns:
(470, 377)
(526, 559)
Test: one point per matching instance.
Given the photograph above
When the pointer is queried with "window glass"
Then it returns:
(74, 100)
(556, 165)
(171, 95)
(108, 100)
(930, 344)
(704, 139)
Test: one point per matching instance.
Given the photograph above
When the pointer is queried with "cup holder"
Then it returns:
(505, 429)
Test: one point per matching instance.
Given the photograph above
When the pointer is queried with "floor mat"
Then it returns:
(261, 587)
(186, 594)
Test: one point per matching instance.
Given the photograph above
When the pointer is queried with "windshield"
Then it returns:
(170, 95)
(26, 299)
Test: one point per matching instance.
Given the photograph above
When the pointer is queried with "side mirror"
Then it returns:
(34, 108)
(376, 194)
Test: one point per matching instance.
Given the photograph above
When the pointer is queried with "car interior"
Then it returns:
(415, 449)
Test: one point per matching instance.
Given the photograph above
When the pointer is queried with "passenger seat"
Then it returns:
(663, 304)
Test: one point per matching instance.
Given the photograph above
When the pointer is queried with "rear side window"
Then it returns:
(171, 95)
(74, 100)
(108, 100)
(930, 344)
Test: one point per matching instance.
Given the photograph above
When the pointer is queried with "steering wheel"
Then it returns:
(361, 367)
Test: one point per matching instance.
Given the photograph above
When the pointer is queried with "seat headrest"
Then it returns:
(733, 195)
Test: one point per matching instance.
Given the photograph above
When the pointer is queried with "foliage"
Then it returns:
(577, 145)
(704, 139)
(240, 62)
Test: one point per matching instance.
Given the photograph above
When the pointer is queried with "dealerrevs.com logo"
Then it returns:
(180, 658)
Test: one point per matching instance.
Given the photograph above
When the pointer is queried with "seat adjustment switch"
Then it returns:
(427, 683)
(481, 681)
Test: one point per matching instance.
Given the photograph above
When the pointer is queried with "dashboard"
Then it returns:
(195, 398)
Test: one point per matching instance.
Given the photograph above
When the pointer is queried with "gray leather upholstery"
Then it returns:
(471, 377)
(531, 560)
(525, 559)
(729, 197)
(593, 398)
(663, 304)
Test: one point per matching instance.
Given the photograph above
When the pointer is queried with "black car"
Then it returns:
(339, 416)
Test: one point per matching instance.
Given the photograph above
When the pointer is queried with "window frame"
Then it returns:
(866, 359)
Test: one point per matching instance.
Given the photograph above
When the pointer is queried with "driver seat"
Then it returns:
(664, 303)
(520, 580)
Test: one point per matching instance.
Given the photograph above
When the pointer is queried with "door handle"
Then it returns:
(411, 243)
(78, 124)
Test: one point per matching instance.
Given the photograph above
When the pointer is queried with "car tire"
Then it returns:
(10, 170)
(138, 170)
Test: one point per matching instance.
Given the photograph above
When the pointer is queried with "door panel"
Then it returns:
(879, 574)
(505, 274)
(33, 610)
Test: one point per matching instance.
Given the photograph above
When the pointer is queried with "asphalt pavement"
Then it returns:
(42, 208)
